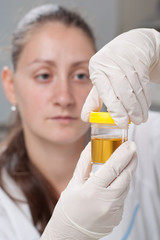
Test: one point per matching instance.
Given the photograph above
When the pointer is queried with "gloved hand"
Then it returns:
(91, 206)
(120, 73)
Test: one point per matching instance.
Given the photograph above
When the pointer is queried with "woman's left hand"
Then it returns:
(91, 206)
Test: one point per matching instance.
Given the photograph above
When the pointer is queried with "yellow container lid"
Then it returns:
(101, 117)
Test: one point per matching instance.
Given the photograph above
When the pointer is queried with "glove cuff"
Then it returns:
(61, 227)
(85, 234)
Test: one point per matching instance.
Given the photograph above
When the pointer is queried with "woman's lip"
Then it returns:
(64, 119)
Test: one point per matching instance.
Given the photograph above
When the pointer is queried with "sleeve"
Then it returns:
(14, 223)
(6, 228)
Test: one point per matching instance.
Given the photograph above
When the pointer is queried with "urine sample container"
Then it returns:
(106, 137)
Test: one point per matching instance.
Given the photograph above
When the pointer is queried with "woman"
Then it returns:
(51, 48)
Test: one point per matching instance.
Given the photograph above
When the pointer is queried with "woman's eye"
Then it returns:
(43, 77)
(81, 76)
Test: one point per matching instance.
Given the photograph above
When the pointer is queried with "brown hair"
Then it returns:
(40, 196)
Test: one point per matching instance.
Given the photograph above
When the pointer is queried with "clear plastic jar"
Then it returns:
(106, 137)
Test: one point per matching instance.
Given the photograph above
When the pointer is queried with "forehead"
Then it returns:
(56, 40)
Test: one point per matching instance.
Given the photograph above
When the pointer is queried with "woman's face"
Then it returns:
(51, 83)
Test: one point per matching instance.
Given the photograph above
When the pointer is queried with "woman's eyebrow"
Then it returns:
(80, 62)
(49, 62)
(52, 63)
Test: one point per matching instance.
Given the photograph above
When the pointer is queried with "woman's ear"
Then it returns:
(8, 85)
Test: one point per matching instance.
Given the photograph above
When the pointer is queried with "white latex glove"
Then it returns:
(120, 73)
(90, 207)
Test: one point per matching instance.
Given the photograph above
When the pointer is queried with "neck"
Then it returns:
(55, 162)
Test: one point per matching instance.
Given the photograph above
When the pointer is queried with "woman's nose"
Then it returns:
(63, 94)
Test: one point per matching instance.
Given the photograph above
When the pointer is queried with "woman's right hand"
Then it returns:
(121, 73)
(92, 204)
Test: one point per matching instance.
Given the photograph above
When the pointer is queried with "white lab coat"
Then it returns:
(15, 220)
(141, 218)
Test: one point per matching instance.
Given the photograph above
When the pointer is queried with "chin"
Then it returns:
(68, 137)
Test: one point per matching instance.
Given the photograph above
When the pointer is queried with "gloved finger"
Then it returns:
(83, 167)
(132, 96)
(93, 103)
(141, 67)
(114, 165)
(123, 91)
(144, 79)
(111, 101)
(141, 55)
(139, 83)
(121, 183)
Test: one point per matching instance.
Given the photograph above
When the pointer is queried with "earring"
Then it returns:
(13, 108)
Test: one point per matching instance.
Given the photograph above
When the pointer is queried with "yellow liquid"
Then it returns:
(102, 148)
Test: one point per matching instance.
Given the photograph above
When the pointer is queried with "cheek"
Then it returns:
(30, 102)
